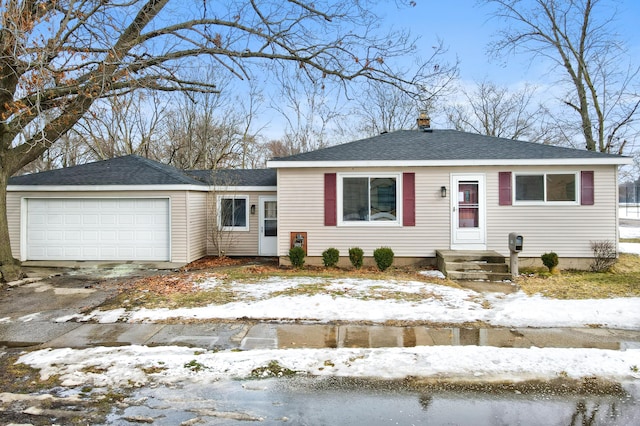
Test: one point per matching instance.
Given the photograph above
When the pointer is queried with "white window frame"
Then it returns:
(219, 210)
(544, 183)
(370, 175)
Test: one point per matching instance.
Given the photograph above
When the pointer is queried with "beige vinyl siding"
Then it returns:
(565, 229)
(301, 209)
(179, 222)
(13, 217)
(234, 243)
(197, 232)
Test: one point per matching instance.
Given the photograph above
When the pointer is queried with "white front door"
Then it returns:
(468, 212)
(268, 244)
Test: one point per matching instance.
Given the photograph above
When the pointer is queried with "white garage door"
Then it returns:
(98, 229)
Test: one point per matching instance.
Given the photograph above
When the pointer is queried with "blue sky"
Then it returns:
(467, 27)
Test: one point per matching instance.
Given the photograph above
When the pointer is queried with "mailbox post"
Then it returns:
(515, 247)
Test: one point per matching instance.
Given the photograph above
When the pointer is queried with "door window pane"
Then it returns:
(468, 207)
(270, 228)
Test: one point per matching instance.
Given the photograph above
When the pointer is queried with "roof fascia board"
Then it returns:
(103, 188)
(243, 188)
(454, 163)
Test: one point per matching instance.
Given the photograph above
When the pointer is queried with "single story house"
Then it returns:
(416, 191)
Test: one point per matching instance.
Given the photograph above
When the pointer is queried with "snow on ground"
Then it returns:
(629, 232)
(362, 300)
(379, 301)
(131, 365)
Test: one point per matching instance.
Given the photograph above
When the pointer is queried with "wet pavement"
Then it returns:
(30, 311)
(247, 336)
(314, 401)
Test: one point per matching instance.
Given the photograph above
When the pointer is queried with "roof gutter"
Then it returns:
(454, 163)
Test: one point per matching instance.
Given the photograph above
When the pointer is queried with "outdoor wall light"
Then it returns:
(443, 191)
(253, 209)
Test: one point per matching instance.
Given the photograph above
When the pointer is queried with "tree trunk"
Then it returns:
(9, 267)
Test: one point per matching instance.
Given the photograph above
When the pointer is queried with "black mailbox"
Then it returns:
(515, 242)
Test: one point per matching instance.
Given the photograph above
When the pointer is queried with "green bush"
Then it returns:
(383, 257)
(296, 256)
(330, 257)
(550, 260)
(356, 256)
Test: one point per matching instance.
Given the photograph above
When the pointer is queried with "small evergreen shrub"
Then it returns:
(550, 260)
(296, 256)
(383, 257)
(356, 256)
(330, 257)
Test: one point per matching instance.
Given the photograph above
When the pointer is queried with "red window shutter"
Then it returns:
(330, 200)
(586, 188)
(409, 199)
(504, 188)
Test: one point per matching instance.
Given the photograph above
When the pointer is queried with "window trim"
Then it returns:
(376, 175)
(577, 187)
(219, 210)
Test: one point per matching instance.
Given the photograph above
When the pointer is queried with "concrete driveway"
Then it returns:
(29, 308)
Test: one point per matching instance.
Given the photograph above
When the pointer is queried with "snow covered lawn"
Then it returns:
(378, 301)
(141, 365)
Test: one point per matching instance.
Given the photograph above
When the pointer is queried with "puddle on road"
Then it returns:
(353, 336)
(313, 401)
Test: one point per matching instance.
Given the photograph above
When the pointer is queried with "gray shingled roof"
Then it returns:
(135, 170)
(127, 170)
(440, 145)
(236, 177)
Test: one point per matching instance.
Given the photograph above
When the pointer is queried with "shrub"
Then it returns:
(330, 257)
(604, 255)
(550, 260)
(296, 256)
(383, 257)
(356, 256)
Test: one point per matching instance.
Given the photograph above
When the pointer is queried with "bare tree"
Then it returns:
(489, 109)
(577, 37)
(204, 132)
(384, 108)
(123, 125)
(57, 58)
(308, 109)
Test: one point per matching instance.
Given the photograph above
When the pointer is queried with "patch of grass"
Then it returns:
(302, 290)
(216, 296)
(630, 240)
(20, 378)
(195, 366)
(154, 369)
(622, 281)
(273, 369)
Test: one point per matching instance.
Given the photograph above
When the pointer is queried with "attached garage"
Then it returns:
(98, 229)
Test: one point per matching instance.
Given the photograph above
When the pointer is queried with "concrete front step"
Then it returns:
(477, 266)
(473, 265)
(478, 275)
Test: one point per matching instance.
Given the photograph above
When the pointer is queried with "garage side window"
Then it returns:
(233, 213)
